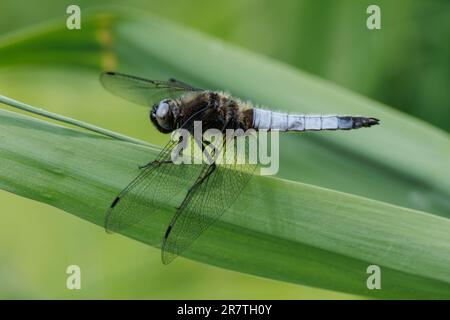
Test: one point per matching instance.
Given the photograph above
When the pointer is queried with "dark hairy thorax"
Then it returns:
(216, 110)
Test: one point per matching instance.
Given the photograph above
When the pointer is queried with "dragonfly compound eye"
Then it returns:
(163, 115)
(162, 110)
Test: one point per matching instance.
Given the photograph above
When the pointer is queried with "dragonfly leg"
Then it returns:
(153, 163)
(199, 181)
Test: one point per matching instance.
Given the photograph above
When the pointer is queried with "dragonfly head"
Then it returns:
(162, 117)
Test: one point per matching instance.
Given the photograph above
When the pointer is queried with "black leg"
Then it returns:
(153, 163)
(197, 183)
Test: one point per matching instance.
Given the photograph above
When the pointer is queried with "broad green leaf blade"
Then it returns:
(278, 229)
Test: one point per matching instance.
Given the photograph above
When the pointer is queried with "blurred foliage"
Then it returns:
(404, 65)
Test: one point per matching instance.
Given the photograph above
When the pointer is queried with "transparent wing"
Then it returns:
(147, 194)
(215, 190)
(143, 91)
(152, 189)
(181, 84)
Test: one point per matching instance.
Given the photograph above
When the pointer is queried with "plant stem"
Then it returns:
(77, 123)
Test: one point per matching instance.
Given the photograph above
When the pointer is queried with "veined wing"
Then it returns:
(156, 184)
(215, 190)
(146, 195)
(143, 91)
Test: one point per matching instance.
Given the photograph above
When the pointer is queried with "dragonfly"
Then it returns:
(209, 188)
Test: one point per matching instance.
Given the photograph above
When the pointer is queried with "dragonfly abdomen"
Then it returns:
(269, 120)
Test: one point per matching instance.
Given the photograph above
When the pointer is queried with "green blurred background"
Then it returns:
(405, 65)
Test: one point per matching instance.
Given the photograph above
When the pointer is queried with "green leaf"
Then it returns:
(278, 229)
